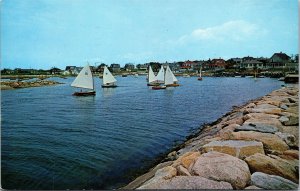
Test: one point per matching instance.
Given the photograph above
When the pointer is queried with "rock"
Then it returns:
(271, 182)
(283, 119)
(172, 155)
(293, 130)
(292, 100)
(186, 160)
(181, 171)
(280, 167)
(145, 177)
(222, 167)
(166, 172)
(283, 106)
(270, 141)
(269, 102)
(252, 188)
(264, 128)
(289, 139)
(266, 108)
(185, 182)
(293, 120)
(293, 109)
(292, 153)
(250, 105)
(226, 131)
(236, 148)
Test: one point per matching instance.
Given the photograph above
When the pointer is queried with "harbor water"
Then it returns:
(53, 140)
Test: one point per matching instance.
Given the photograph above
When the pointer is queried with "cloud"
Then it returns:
(237, 30)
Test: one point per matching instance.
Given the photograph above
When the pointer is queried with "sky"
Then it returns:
(41, 34)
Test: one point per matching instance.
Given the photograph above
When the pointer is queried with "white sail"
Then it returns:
(168, 76)
(84, 79)
(161, 74)
(200, 73)
(173, 76)
(108, 77)
(151, 76)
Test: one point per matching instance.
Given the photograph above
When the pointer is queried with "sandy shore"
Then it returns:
(253, 146)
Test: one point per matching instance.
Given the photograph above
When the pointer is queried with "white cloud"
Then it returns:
(238, 30)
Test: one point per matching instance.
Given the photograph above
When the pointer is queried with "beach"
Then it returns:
(254, 146)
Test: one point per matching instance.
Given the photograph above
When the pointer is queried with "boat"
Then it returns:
(159, 87)
(281, 79)
(170, 79)
(109, 81)
(84, 80)
(200, 75)
(152, 80)
(161, 75)
(124, 75)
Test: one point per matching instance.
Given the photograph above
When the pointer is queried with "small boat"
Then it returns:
(84, 80)
(200, 75)
(109, 81)
(159, 87)
(124, 75)
(281, 79)
(170, 79)
(152, 80)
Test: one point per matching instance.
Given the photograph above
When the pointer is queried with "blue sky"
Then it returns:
(45, 33)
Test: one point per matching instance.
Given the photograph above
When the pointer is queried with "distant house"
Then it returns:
(142, 66)
(55, 70)
(279, 60)
(216, 64)
(175, 66)
(115, 68)
(187, 65)
(129, 67)
(252, 64)
(100, 68)
(280, 57)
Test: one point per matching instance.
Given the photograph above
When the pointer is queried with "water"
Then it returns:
(52, 140)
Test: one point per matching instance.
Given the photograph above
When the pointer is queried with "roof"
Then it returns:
(282, 56)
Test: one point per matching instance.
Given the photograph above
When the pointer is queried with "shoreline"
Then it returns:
(273, 117)
(12, 85)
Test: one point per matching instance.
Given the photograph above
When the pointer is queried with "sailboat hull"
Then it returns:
(172, 85)
(158, 87)
(84, 93)
(108, 86)
(200, 78)
(153, 84)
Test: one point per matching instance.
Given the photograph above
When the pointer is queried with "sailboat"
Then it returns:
(161, 75)
(170, 79)
(160, 79)
(84, 80)
(200, 74)
(152, 80)
(109, 81)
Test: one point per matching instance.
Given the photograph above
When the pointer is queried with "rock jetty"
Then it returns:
(8, 85)
(255, 146)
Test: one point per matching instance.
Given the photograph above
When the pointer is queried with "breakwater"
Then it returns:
(8, 85)
(253, 146)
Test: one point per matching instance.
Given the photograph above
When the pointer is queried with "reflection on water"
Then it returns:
(53, 140)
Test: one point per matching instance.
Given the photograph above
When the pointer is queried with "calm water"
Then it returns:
(52, 140)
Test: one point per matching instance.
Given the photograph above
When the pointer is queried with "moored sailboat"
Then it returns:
(152, 81)
(200, 75)
(84, 80)
(160, 79)
(170, 79)
(109, 81)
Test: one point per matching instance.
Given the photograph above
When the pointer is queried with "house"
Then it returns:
(55, 70)
(215, 64)
(175, 66)
(280, 58)
(252, 64)
(142, 67)
(279, 61)
(115, 67)
(129, 67)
